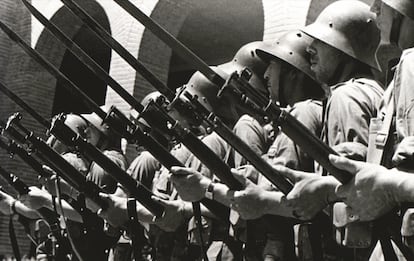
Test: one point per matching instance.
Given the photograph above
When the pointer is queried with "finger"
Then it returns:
(48, 170)
(234, 206)
(103, 195)
(292, 175)
(340, 191)
(240, 177)
(181, 171)
(238, 194)
(343, 163)
(163, 202)
(284, 201)
(295, 214)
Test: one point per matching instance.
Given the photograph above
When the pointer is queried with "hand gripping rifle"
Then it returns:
(48, 215)
(195, 110)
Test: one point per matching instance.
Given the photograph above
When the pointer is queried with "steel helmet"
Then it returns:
(134, 115)
(152, 96)
(98, 122)
(290, 48)
(349, 26)
(76, 123)
(184, 121)
(405, 7)
(246, 57)
(207, 92)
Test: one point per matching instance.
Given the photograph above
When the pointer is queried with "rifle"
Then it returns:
(48, 215)
(122, 125)
(195, 110)
(15, 149)
(55, 161)
(63, 132)
(246, 94)
(238, 85)
(69, 137)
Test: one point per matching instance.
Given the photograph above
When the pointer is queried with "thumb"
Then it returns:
(181, 171)
(240, 177)
(351, 166)
(103, 195)
(291, 174)
(48, 171)
(164, 203)
(340, 191)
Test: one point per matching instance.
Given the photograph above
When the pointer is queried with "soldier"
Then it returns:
(200, 86)
(292, 50)
(352, 103)
(79, 221)
(393, 145)
(289, 80)
(396, 21)
(110, 144)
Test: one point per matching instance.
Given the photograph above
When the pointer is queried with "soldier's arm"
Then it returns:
(9, 205)
(192, 186)
(374, 190)
(38, 198)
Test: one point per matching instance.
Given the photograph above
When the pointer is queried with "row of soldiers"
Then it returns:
(325, 75)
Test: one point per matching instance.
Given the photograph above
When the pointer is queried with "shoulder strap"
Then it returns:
(381, 134)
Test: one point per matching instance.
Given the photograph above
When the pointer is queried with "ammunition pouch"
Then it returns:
(303, 247)
(349, 232)
(407, 229)
(193, 234)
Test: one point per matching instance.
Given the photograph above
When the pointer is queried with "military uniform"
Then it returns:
(142, 169)
(398, 100)
(100, 177)
(347, 116)
(349, 110)
(220, 245)
(262, 239)
(284, 151)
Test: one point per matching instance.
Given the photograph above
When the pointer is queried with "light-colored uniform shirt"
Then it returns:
(103, 179)
(349, 110)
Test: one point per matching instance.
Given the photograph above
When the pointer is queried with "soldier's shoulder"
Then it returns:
(358, 87)
(307, 110)
(407, 58)
(306, 104)
(407, 53)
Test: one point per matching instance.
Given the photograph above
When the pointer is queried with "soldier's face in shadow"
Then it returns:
(272, 79)
(324, 61)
